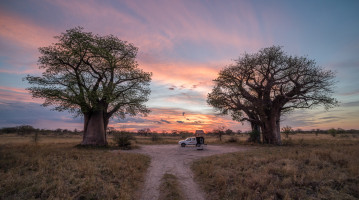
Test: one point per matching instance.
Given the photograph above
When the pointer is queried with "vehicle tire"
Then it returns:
(183, 145)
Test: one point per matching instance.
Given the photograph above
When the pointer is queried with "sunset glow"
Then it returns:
(184, 44)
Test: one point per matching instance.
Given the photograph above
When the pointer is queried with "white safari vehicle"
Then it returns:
(196, 141)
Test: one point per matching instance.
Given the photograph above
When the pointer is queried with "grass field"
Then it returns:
(306, 167)
(55, 169)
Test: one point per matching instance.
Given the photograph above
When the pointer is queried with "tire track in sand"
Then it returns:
(176, 160)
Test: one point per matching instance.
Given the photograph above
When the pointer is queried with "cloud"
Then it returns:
(130, 120)
(351, 104)
(174, 120)
(330, 117)
(11, 94)
(351, 93)
(184, 44)
(20, 113)
(165, 121)
(24, 32)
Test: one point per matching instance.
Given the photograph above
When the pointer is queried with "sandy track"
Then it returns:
(176, 160)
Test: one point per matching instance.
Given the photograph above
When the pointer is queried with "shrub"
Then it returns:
(254, 136)
(232, 139)
(287, 130)
(155, 137)
(123, 139)
(35, 137)
(332, 132)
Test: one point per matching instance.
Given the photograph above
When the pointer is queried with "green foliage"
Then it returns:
(229, 132)
(85, 72)
(260, 87)
(254, 136)
(333, 132)
(123, 139)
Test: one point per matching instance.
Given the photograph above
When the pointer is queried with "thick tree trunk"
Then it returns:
(255, 128)
(105, 124)
(271, 129)
(94, 132)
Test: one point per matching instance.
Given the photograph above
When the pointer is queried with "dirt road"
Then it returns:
(176, 160)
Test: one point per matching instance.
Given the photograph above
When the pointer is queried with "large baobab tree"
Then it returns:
(93, 76)
(260, 87)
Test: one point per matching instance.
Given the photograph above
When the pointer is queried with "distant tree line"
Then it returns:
(219, 132)
(27, 130)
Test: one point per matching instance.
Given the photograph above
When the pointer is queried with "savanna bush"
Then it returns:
(254, 136)
(123, 139)
(155, 137)
(332, 132)
(232, 139)
(287, 130)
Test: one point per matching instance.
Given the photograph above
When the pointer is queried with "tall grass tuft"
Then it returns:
(169, 188)
(36, 137)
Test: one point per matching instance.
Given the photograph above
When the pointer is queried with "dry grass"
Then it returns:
(43, 139)
(174, 139)
(161, 140)
(61, 171)
(306, 168)
(169, 188)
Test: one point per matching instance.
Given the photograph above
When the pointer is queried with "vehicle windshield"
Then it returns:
(188, 139)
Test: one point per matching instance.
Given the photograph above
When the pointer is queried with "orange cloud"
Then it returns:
(168, 119)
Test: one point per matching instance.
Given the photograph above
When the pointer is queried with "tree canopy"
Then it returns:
(260, 87)
(94, 76)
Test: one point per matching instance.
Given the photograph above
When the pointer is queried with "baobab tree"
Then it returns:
(260, 87)
(94, 76)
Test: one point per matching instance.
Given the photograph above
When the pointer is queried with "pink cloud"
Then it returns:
(105, 19)
(159, 26)
(24, 32)
(192, 21)
(11, 94)
(25, 37)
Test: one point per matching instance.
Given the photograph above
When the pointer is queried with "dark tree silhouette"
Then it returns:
(260, 87)
(94, 76)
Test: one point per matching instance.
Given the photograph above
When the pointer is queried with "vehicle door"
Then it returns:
(193, 141)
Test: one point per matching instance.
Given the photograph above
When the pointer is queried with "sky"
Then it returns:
(184, 44)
